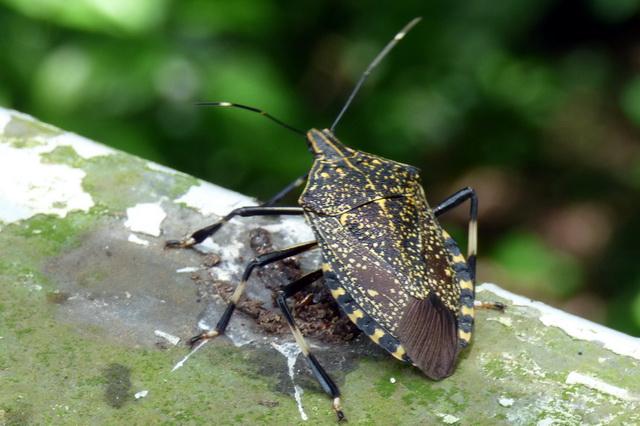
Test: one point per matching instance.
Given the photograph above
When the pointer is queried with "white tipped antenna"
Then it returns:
(373, 64)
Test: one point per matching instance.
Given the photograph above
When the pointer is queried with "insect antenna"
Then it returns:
(252, 109)
(372, 65)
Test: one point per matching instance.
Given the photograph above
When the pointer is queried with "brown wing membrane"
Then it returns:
(428, 332)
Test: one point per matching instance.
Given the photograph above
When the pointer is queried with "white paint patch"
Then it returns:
(180, 363)
(141, 394)
(133, 238)
(291, 350)
(174, 340)
(145, 218)
(212, 199)
(29, 187)
(593, 383)
(505, 402)
(84, 147)
(227, 250)
(206, 247)
(293, 228)
(160, 168)
(187, 269)
(235, 334)
(449, 419)
(5, 118)
(574, 326)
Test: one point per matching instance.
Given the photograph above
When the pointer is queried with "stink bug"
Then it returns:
(387, 261)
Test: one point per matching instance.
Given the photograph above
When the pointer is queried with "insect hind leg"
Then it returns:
(454, 201)
(327, 384)
(259, 261)
(492, 306)
(465, 270)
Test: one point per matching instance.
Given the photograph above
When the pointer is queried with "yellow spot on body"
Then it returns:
(465, 310)
(383, 205)
(372, 293)
(338, 292)
(399, 353)
(344, 218)
(325, 175)
(466, 284)
(464, 336)
(326, 267)
(377, 335)
(458, 258)
(355, 315)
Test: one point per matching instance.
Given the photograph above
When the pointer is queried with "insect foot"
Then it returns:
(197, 237)
(184, 243)
(207, 335)
(338, 409)
(494, 306)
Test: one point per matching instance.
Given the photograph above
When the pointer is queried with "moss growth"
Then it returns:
(63, 155)
(25, 127)
(119, 181)
(55, 371)
(118, 390)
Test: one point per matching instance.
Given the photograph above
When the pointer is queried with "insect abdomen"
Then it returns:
(362, 319)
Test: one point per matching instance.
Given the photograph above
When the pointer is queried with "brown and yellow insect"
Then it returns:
(387, 261)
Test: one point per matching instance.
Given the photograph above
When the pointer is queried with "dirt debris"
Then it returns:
(315, 311)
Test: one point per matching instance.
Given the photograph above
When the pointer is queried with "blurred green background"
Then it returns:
(535, 103)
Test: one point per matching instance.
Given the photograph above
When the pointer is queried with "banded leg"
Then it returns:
(454, 201)
(259, 261)
(493, 306)
(320, 374)
(465, 270)
(201, 234)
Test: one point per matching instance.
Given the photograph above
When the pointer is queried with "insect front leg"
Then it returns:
(201, 234)
(259, 261)
(319, 372)
(264, 209)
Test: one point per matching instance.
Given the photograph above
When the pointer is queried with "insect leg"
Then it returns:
(284, 191)
(259, 261)
(201, 234)
(320, 374)
(454, 201)
(465, 270)
(494, 306)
